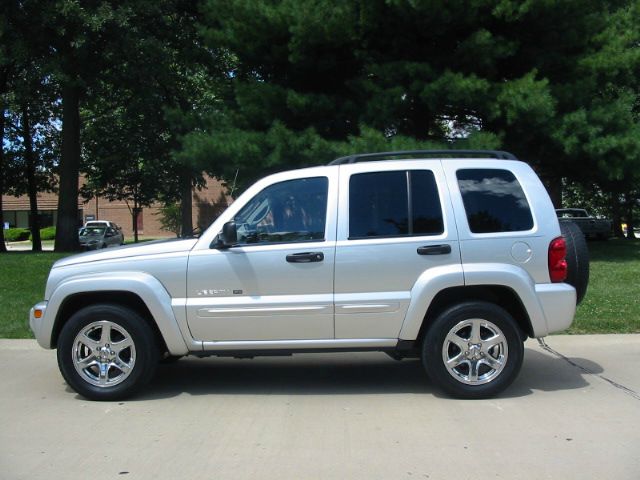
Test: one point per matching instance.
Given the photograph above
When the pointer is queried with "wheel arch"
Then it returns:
(499, 295)
(138, 291)
(76, 302)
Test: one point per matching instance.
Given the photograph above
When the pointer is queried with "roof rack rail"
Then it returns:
(362, 157)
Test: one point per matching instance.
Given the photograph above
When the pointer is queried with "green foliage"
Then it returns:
(239, 88)
(554, 82)
(16, 234)
(170, 218)
(48, 233)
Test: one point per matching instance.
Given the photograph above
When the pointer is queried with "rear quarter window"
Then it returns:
(494, 201)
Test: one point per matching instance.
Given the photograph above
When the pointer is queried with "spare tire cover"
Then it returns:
(577, 258)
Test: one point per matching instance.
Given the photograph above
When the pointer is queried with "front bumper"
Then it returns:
(42, 334)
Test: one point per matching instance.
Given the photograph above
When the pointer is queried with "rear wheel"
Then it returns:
(106, 352)
(473, 350)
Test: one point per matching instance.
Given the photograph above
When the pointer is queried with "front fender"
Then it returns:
(145, 286)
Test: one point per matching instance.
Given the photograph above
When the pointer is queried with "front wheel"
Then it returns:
(473, 350)
(106, 352)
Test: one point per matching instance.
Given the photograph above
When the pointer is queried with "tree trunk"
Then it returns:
(134, 215)
(67, 223)
(32, 187)
(3, 246)
(631, 200)
(616, 215)
(554, 187)
(186, 197)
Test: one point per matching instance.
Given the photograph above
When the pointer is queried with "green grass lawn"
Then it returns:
(22, 280)
(612, 303)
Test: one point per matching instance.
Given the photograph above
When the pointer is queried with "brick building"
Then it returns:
(207, 204)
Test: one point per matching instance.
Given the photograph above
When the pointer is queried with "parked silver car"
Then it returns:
(105, 223)
(95, 238)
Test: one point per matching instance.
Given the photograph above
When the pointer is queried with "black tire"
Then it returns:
(577, 258)
(108, 329)
(170, 359)
(459, 381)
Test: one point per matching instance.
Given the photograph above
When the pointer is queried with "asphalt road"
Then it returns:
(573, 412)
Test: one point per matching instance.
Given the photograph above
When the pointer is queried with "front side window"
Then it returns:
(291, 211)
(397, 203)
(494, 201)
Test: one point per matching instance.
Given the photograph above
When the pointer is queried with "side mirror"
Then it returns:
(229, 235)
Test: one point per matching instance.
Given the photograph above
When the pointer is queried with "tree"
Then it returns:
(81, 39)
(140, 108)
(3, 247)
(170, 218)
(30, 100)
(68, 42)
(501, 74)
(127, 158)
(602, 135)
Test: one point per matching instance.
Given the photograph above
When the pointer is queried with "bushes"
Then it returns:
(16, 234)
(22, 234)
(48, 233)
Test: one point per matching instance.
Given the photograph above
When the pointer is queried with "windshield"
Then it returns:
(92, 231)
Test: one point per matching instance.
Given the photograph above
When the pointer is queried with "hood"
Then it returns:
(127, 251)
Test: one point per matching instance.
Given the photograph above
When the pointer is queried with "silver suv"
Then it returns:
(455, 257)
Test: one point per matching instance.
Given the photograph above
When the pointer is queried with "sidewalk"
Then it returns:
(26, 247)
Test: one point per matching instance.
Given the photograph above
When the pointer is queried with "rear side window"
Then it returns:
(494, 201)
(390, 204)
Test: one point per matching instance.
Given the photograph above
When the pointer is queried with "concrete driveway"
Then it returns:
(574, 412)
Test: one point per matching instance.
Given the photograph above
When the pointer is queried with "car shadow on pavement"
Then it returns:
(343, 374)
(542, 371)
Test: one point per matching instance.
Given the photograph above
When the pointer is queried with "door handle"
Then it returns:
(434, 250)
(305, 257)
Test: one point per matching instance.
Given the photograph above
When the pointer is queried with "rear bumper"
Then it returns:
(558, 302)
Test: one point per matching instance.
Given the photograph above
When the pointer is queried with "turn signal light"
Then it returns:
(37, 313)
(557, 260)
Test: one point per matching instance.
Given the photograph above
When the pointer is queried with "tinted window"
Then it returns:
(380, 204)
(427, 212)
(494, 201)
(290, 211)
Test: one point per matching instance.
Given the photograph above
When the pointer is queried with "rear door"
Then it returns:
(395, 224)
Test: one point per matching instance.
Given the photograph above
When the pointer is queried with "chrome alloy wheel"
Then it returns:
(475, 351)
(103, 353)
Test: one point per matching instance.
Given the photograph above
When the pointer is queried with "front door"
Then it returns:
(277, 282)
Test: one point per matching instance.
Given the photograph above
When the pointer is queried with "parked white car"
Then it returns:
(451, 257)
